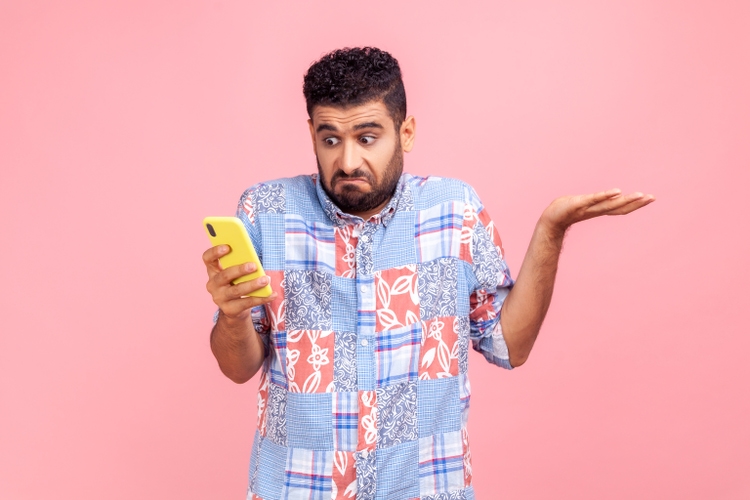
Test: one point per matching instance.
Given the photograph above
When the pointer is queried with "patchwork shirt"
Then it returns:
(364, 392)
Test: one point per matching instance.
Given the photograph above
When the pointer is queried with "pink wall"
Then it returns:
(122, 124)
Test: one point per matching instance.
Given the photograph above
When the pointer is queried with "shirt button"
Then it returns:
(364, 342)
(363, 288)
(365, 238)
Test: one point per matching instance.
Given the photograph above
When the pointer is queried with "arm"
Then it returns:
(526, 305)
(235, 344)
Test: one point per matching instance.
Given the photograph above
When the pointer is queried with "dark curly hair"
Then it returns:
(354, 76)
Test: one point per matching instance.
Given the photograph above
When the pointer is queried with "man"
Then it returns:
(381, 281)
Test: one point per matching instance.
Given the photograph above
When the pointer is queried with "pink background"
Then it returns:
(123, 124)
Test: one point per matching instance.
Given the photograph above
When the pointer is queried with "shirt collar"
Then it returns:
(341, 219)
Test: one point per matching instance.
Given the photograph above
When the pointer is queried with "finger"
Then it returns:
(238, 306)
(245, 288)
(593, 199)
(230, 274)
(211, 258)
(633, 206)
(615, 203)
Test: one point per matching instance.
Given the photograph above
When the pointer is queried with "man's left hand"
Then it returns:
(567, 210)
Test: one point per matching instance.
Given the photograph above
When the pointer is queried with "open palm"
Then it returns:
(567, 210)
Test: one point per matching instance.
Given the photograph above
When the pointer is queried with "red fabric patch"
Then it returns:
(368, 421)
(397, 297)
(346, 246)
(467, 458)
(262, 402)
(309, 360)
(438, 357)
(276, 309)
(492, 231)
(481, 307)
(344, 476)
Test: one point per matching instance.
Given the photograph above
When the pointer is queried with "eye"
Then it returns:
(367, 139)
(331, 141)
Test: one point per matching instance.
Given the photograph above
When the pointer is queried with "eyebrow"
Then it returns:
(326, 126)
(360, 126)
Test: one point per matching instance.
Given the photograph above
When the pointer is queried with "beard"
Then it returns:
(350, 199)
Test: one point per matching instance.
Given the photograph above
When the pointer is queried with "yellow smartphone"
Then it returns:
(230, 231)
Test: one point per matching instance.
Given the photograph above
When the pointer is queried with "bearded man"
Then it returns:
(382, 281)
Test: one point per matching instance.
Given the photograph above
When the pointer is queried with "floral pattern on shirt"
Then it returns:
(397, 297)
(439, 349)
(346, 251)
(309, 360)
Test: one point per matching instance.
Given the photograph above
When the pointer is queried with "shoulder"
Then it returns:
(271, 196)
(432, 190)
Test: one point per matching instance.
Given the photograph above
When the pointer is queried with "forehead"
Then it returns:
(348, 117)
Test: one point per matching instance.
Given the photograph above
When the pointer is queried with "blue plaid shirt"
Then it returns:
(364, 392)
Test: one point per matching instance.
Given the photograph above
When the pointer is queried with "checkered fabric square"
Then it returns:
(272, 249)
(269, 479)
(309, 421)
(397, 353)
(277, 363)
(309, 245)
(438, 231)
(345, 420)
(439, 409)
(398, 471)
(343, 302)
(366, 311)
(441, 463)
(400, 229)
(308, 474)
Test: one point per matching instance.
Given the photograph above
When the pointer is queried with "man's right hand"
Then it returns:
(232, 299)
(234, 341)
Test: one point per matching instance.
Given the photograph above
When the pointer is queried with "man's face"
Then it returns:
(360, 154)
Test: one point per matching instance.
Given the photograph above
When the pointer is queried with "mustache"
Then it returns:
(355, 174)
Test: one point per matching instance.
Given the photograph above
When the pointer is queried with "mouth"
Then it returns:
(353, 181)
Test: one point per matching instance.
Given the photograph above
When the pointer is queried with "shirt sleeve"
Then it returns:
(492, 285)
(246, 214)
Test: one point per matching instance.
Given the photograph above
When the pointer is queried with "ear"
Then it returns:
(312, 136)
(408, 132)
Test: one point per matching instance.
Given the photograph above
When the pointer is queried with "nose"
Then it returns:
(351, 159)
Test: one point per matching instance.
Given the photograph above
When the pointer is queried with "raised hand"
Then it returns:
(567, 210)
(527, 303)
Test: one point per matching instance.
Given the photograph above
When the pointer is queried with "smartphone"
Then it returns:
(230, 231)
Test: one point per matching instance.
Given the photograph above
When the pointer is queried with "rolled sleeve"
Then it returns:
(494, 282)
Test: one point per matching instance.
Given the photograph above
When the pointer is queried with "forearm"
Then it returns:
(237, 347)
(527, 303)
